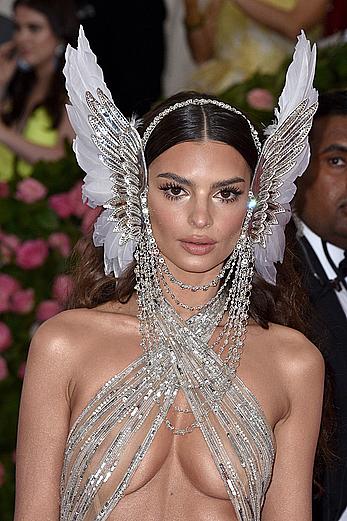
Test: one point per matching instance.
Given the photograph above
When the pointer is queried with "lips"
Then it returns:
(198, 245)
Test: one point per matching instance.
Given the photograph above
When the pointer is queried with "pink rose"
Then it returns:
(260, 99)
(60, 203)
(8, 246)
(89, 219)
(11, 241)
(75, 198)
(21, 370)
(5, 336)
(31, 254)
(8, 286)
(2, 474)
(4, 190)
(22, 301)
(62, 287)
(30, 190)
(47, 309)
(61, 242)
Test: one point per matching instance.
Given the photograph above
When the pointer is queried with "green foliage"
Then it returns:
(29, 221)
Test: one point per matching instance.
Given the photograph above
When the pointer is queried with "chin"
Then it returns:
(196, 263)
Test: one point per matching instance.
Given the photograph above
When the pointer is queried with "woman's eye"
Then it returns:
(336, 161)
(172, 191)
(175, 191)
(228, 194)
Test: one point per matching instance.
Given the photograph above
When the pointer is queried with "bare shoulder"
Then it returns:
(73, 332)
(299, 362)
(294, 349)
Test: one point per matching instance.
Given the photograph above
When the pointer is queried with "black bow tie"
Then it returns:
(341, 270)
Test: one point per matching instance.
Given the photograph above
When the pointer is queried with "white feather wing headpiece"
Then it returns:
(284, 157)
(109, 149)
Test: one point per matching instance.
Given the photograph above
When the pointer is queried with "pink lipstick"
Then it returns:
(198, 245)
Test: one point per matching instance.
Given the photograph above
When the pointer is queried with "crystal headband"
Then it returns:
(199, 101)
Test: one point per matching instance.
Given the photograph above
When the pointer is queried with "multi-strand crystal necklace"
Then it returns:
(161, 325)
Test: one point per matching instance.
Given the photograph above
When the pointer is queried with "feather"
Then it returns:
(109, 149)
(285, 156)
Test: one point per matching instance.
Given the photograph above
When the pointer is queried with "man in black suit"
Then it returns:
(321, 209)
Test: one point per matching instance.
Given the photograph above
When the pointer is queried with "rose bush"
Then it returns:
(40, 221)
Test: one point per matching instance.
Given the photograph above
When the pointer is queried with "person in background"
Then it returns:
(321, 209)
(33, 123)
(233, 39)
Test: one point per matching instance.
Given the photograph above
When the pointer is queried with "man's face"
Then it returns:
(322, 192)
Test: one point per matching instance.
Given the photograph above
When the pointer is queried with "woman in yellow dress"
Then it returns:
(33, 123)
(233, 39)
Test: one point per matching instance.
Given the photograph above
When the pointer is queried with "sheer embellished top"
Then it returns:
(114, 432)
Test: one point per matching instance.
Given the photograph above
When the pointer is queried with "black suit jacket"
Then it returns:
(329, 331)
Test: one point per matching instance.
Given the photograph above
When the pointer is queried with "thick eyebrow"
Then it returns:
(177, 178)
(227, 182)
(187, 182)
(335, 147)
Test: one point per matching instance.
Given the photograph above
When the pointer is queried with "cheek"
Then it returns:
(323, 191)
(46, 42)
(165, 217)
(229, 219)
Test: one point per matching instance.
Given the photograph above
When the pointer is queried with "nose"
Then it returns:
(200, 215)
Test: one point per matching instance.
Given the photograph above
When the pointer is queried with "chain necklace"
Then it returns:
(161, 326)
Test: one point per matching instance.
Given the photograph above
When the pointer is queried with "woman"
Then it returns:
(231, 40)
(33, 123)
(175, 433)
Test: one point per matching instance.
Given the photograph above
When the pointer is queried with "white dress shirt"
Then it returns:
(336, 254)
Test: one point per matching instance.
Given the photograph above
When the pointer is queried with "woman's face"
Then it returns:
(35, 41)
(198, 195)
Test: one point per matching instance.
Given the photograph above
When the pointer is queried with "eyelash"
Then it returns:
(169, 186)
